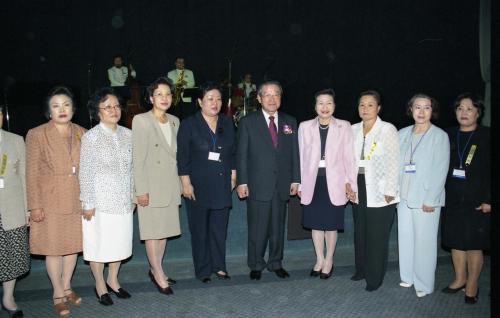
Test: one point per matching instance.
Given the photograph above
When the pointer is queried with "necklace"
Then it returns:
(324, 127)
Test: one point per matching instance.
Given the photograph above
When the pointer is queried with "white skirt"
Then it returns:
(107, 237)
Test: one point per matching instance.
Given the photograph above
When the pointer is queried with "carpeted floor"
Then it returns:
(297, 296)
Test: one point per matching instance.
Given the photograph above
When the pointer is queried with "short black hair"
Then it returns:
(100, 96)
(326, 91)
(373, 93)
(477, 102)
(434, 105)
(159, 81)
(206, 87)
(58, 90)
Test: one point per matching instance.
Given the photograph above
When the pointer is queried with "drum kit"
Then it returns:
(243, 104)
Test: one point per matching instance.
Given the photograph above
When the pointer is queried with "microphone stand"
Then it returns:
(6, 106)
(89, 89)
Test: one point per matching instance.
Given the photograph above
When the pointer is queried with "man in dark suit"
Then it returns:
(268, 173)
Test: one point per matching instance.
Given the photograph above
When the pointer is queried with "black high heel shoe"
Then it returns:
(163, 290)
(223, 276)
(104, 299)
(16, 313)
(326, 276)
(121, 293)
(472, 300)
(449, 290)
(314, 273)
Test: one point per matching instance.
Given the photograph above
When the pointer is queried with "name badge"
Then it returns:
(322, 163)
(459, 173)
(410, 168)
(73, 170)
(363, 163)
(2, 183)
(214, 156)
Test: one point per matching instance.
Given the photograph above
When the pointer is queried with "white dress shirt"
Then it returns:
(118, 75)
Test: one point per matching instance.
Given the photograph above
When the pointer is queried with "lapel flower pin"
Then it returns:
(287, 130)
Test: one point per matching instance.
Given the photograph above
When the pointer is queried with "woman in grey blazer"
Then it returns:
(424, 158)
(157, 186)
(14, 252)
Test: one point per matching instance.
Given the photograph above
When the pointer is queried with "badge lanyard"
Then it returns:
(461, 153)
(418, 143)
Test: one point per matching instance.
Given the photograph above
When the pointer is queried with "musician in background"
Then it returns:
(248, 88)
(182, 78)
(118, 74)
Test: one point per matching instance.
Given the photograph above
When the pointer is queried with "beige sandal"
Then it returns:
(62, 308)
(73, 297)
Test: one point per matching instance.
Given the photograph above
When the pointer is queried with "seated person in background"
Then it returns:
(118, 74)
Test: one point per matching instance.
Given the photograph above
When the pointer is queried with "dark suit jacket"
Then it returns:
(262, 167)
(211, 179)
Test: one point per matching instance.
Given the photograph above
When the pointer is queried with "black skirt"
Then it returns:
(321, 214)
(465, 228)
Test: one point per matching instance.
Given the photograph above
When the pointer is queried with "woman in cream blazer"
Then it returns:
(157, 185)
(376, 148)
(14, 251)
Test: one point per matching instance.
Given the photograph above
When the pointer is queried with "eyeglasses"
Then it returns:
(110, 108)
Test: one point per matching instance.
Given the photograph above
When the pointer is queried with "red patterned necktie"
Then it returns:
(273, 132)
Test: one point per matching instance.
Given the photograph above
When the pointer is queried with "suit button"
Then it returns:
(158, 162)
(220, 174)
(156, 145)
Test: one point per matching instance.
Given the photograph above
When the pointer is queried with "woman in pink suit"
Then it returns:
(328, 175)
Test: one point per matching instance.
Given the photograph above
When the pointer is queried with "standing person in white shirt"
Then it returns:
(118, 74)
(182, 78)
(376, 147)
(247, 86)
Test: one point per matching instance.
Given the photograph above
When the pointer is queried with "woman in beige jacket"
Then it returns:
(14, 252)
(157, 186)
(53, 159)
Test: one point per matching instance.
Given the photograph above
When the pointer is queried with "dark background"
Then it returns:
(396, 47)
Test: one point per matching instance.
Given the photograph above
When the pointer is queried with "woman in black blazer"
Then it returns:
(206, 164)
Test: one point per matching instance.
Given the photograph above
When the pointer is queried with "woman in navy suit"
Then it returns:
(206, 164)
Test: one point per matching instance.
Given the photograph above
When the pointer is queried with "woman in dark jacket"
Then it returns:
(466, 221)
(205, 159)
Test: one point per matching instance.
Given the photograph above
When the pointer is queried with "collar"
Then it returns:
(266, 116)
(108, 130)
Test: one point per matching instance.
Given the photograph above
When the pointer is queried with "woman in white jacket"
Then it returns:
(377, 152)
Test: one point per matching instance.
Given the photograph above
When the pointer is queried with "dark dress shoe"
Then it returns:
(104, 299)
(16, 313)
(121, 293)
(314, 273)
(281, 273)
(325, 275)
(255, 275)
(449, 290)
(163, 290)
(206, 280)
(223, 276)
(357, 277)
(472, 300)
